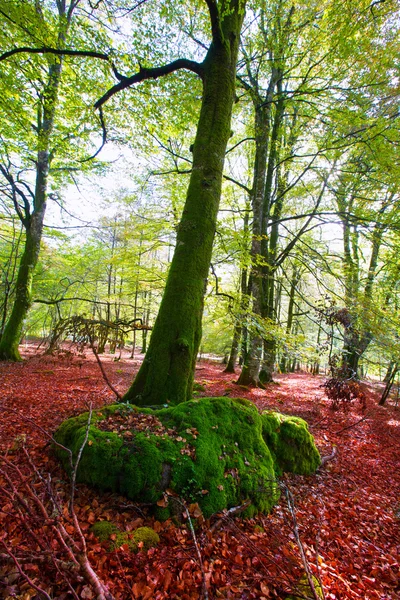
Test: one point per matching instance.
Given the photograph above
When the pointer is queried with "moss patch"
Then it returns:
(218, 452)
(103, 530)
(145, 538)
(142, 538)
(304, 589)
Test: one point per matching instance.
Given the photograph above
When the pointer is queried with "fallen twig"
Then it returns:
(196, 545)
(232, 512)
(290, 503)
(105, 377)
(352, 425)
(328, 457)
(33, 510)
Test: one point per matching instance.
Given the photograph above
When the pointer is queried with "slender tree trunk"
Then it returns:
(389, 371)
(33, 221)
(293, 287)
(167, 372)
(237, 332)
(389, 385)
(238, 329)
(252, 360)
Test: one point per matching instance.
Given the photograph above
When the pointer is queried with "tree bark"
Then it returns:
(252, 361)
(167, 372)
(33, 221)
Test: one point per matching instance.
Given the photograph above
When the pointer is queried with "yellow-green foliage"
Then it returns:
(221, 453)
(304, 589)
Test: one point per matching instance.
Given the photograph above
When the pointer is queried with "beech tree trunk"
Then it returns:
(252, 360)
(167, 372)
(33, 218)
(231, 364)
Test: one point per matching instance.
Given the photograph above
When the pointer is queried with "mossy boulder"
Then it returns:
(290, 442)
(218, 452)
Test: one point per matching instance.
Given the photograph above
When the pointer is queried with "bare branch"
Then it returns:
(151, 73)
(104, 140)
(56, 51)
(241, 185)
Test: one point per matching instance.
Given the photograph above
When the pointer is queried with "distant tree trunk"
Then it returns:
(293, 288)
(272, 211)
(252, 360)
(357, 338)
(237, 332)
(316, 365)
(238, 329)
(389, 371)
(167, 372)
(389, 385)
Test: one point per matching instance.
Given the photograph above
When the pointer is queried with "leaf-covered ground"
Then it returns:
(347, 515)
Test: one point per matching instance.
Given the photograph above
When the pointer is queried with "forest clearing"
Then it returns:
(347, 514)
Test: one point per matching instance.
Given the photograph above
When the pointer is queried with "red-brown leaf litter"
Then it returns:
(347, 514)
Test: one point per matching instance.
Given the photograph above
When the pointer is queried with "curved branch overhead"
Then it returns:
(151, 73)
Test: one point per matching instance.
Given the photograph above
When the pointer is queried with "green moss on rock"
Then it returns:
(290, 443)
(218, 452)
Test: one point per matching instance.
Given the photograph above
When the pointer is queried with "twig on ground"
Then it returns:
(34, 511)
(292, 510)
(196, 545)
(352, 425)
(22, 572)
(232, 512)
(328, 457)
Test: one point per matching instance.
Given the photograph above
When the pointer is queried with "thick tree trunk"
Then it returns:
(23, 291)
(167, 372)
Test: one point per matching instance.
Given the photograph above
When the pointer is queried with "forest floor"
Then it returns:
(347, 514)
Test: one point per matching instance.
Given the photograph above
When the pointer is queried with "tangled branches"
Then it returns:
(82, 331)
(46, 531)
(342, 390)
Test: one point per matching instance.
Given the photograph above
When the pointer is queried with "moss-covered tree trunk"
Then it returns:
(167, 372)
